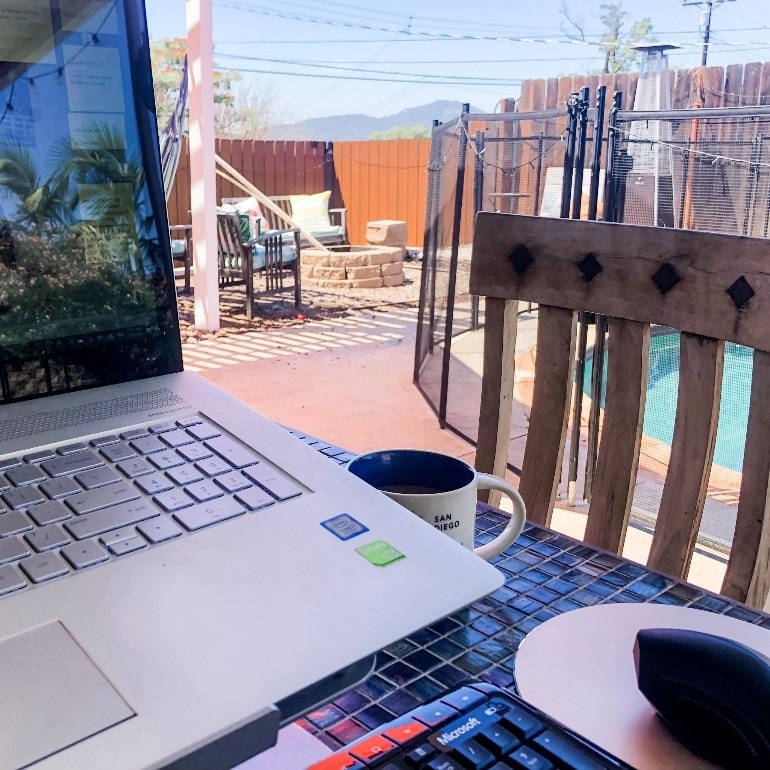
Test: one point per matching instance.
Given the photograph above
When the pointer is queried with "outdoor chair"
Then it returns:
(710, 288)
(241, 259)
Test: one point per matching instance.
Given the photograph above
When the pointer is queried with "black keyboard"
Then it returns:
(475, 727)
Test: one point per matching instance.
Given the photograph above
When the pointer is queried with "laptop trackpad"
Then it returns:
(52, 695)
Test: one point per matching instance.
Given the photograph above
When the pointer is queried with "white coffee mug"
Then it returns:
(441, 490)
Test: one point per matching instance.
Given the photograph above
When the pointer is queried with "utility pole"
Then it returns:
(706, 6)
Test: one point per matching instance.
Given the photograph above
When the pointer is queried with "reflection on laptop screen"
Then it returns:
(86, 283)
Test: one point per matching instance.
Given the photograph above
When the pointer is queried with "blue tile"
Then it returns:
(508, 615)
(585, 597)
(473, 662)
(511, 637)
(375, 687)
(374, 716)
(565, 605)
(494, 650)
(425, 689)
(487, 625)
(423, 637)
(466, 637)
(325, 717)
(451, 676)
(351, 701)
(561, 586)
(399, 702)
(498, 677)
(422, 660)
(536, 576)
(544, 594)
(446, 649)
(526, 605)
(401, 648)
(400, 673)
(444, 626)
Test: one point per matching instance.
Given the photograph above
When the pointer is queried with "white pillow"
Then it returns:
(311, 212)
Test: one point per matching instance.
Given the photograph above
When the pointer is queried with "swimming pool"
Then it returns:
(663, 388)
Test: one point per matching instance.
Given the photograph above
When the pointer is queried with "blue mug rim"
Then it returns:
(412, 468)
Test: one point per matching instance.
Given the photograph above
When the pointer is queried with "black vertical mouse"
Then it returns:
(713, 694)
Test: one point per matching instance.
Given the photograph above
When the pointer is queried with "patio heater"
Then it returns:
(649, 193)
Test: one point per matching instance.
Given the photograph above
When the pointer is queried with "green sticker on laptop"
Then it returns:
(380, 553)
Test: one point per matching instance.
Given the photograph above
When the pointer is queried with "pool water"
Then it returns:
(663, 388)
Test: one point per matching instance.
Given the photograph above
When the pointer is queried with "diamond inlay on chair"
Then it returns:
(521, 259)
(590, 267)
(665, 278)
(740, 292)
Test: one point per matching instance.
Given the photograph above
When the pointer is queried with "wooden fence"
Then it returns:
(373, 180)
(388, 179)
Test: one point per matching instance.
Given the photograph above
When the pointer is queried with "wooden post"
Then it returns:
(200, 62)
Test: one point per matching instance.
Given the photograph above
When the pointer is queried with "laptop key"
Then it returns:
(72, 463)
(13, 522)
(101, 441)
(147, 445)
(185, 474)
(116, 452)
(166, 459)
(12, 549)
(25, 474)
(136, 466)
(232, 481)
(154, 483)
(124, 533)
(9, 462)
(130, 435)
(204, 490)
(173, 500)
(254, 498)
(98, 477)
(203, 431)
(213, 466)
(82, 555)
(129, 545)
(43, 566)
(159, 529)
(99, 522)
(47, 538)
(48, 513)
(22, 497)
(175, 438)
(61, 487)
(212, 512)
(103, 497)
(236, 454)
(69, 449)
(280, 487)
(10, 580)
(193, 452)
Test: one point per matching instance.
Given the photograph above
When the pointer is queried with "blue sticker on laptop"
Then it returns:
(344, 526)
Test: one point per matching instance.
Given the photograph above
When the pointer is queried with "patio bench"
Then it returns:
(310, 212)
(241, 259)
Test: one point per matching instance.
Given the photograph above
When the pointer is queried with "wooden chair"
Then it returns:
(235, 257)
(711, 288)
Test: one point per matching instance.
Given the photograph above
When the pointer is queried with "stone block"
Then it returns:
(314, 258)
(348, 260)
(392, 268)
(329, 273)
(367, 283)
(393, 280)
(381, 255)
(386, 232)
(356, 273)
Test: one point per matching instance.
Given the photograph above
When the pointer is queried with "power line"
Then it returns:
(706, 6)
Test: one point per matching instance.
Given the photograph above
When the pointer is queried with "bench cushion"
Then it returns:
(311, 212)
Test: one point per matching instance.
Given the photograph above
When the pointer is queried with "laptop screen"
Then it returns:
(87, 291)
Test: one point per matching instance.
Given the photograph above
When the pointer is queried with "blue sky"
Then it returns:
(376, 58)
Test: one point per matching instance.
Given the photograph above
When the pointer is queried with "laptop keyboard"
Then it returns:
(69, 508)
(475, 727)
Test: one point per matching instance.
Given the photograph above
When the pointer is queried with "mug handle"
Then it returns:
(516, 522)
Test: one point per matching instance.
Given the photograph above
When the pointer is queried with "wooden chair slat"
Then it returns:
(748, 570)
(550, 411)
(628, 352)
(692, 451)
(500, 322)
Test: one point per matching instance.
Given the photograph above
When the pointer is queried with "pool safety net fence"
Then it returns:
(698, 169)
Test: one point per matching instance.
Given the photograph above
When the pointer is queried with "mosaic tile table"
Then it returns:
(546, 574)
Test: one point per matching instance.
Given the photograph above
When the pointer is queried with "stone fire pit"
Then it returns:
(357, 267)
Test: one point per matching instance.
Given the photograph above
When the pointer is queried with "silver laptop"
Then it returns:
(178, 575)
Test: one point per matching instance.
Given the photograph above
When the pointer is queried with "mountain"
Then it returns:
(361, 127)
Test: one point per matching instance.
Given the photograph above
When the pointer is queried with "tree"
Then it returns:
(616, 43)
(417, 131)
(245, 114)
